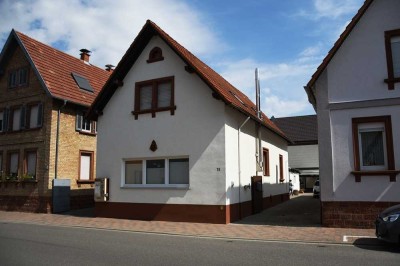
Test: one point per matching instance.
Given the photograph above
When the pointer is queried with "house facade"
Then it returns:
(356, 93)
(44, 135)
(303, 151)
(179, 143)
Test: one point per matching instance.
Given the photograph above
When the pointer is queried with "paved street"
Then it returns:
(293, 221)
(29, 244)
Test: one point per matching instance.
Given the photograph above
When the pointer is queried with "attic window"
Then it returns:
(155, 55)
(237, 98)
(82, 82)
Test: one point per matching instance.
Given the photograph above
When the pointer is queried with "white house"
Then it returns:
(356, 93)
(303, 151)
(179, 143)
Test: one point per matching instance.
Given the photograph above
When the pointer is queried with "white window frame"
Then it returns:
(166, 174)
(372, 127)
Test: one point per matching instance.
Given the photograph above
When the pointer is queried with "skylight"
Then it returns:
(82, 82)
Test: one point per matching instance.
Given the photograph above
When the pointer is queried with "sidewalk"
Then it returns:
(230, 231)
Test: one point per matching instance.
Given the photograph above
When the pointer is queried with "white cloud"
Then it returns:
(282, 84)
(106, 27)
(331, 9)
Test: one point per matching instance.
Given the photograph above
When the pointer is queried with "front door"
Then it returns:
(256, 194)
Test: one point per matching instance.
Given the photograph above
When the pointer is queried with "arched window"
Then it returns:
(155, 55)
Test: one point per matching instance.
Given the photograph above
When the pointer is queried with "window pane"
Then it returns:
(16, 119)
(33, 116)
(85, 167)
(164, 95)
(23, 76)
(155, 171)
(146, 97)
(12, 79)
(372, 148)
(31, 164)
(133, 172)
(86, 126)
(396, 56)
(14, 164)
(179, 171)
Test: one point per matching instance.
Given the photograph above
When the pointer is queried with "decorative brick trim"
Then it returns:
(347, 214)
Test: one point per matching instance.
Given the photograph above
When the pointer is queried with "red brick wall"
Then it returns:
(25, 203)
(352, 214)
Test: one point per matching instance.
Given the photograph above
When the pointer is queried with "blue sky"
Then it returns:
(285, 39)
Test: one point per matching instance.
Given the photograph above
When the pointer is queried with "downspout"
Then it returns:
(240, 183)
(57, 137)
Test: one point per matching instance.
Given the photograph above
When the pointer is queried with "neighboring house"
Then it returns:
(179, 143)
(40, 85)
(356, 93)
(303, 152)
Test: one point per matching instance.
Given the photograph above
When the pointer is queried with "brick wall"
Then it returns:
(36, 196)
(352, 214)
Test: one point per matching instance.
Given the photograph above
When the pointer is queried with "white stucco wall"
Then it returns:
(356, 73)
(358, 69)
(303, 156)
(276, 146)
(196, 130)
(371, 188)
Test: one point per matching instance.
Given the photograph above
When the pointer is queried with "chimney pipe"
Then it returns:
(85, 54)
(110, 68)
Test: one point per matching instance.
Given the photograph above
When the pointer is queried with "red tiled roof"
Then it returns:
(224, 90)
(338, 43)
(55, 68)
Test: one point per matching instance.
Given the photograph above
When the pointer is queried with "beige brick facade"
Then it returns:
(36, 195)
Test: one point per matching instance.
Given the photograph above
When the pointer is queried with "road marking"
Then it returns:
(346, 238)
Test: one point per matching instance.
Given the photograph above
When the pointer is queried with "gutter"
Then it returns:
(239, 169)
(58, 137)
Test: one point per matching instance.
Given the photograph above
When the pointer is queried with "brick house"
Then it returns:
(44, 94)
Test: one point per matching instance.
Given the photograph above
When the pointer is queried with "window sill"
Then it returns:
(391, 173)
(84, 181)
(184, 187)
(154, 111)
(87, 133)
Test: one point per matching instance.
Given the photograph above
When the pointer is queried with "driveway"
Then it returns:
(300, 211)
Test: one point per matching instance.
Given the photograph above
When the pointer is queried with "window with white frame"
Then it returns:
(12, 165)
(372, 146)
(30, 164)
(16, 119)
(157, 172)
(85, 125)
(35, 115)
(86, 166)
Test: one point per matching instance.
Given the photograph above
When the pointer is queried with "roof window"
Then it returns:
(82, 82)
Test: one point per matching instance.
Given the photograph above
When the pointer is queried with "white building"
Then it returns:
(179, 142)
(356, 93)
(303, 151)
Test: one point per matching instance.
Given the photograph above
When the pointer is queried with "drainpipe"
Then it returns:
(240, 183)
(57, 137)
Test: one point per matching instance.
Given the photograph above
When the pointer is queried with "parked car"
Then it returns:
(388, 225)
(316, 189)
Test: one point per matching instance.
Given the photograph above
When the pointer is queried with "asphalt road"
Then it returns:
(28, 244)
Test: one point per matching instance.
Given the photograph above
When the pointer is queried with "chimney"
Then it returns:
(110, 68)
(85, 54)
